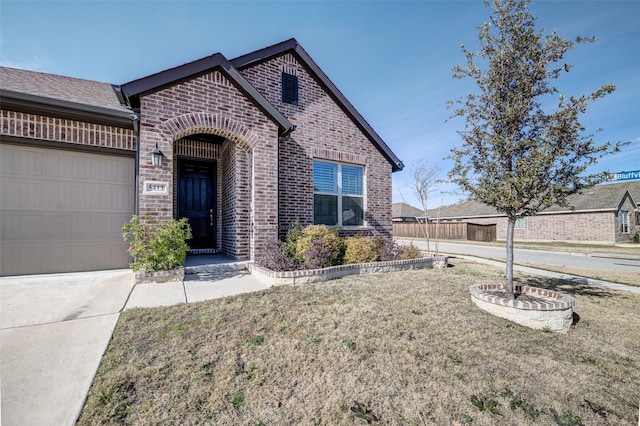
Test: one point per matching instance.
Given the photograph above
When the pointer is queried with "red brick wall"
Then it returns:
(323, 131)
(249, 162)
(210, 104)
(43, 128)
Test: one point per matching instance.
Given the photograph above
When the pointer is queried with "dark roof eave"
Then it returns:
(293, 45)
(165, 78)
(26, 102)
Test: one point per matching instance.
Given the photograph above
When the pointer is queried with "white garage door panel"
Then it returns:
(63, 211)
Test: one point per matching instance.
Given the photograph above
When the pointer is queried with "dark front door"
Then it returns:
(197, 201)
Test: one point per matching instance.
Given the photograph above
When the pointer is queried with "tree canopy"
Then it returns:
(518, 153)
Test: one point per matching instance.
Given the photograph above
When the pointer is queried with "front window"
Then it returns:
(519, 223)
(624, 221)
(338, 194)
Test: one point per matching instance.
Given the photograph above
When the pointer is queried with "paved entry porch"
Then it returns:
(207, 276)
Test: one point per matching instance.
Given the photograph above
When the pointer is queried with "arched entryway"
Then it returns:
(213, 187)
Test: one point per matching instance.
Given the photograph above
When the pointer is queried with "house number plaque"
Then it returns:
(156, 188)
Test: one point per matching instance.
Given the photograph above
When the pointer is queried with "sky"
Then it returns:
(393, 60)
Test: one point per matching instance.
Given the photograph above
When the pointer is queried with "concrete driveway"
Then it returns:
(53, 332)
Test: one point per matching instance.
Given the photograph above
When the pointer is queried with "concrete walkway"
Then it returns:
(54, 330)
(204, 281)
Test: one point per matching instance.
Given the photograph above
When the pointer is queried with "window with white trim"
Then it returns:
(519, 223)
(338, 194)
(624, 221)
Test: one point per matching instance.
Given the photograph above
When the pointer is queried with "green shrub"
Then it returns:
(636, 238)
(329, 240)
(409, 252)
(290, 244)
(360, 249)
(155, 246)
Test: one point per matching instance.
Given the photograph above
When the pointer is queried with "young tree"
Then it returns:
(515, 156)
(424, 181)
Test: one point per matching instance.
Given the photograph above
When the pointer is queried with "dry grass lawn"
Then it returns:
(405, 348)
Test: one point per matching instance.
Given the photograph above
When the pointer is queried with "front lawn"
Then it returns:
(405, 348)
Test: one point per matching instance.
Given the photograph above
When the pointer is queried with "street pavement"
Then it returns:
(599, 261)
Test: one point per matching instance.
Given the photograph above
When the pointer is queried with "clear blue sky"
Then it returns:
(391, 59)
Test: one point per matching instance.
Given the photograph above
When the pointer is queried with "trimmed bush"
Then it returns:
(291, 241)
(388, 250)
(409, 252)
(330, 240)
(360, 249)
(155, 246)
(317, 247)
(318, 255)
(276, 257)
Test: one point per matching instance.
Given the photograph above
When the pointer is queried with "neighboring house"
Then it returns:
(248, 147)
(606, 213)
(404, 212)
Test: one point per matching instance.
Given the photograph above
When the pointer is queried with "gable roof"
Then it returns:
(604, 197)
(74, 98)
(131, 92)
(405, 210)
(601, 197)
(294, 47)
(66, 97)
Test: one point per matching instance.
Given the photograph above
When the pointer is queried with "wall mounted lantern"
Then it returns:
(156, 157)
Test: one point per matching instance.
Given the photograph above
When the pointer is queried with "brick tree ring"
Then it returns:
(535, 308)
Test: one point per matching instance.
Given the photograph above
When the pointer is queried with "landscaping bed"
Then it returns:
(305, 276)
(400, 348)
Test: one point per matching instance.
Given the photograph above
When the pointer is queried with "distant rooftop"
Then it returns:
(598, 198)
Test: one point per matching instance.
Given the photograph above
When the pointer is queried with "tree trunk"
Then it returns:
(510, 227)
(426, 223)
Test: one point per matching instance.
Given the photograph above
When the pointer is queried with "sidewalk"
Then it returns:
(551, 274)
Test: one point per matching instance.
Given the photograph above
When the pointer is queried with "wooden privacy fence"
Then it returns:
(446, 231)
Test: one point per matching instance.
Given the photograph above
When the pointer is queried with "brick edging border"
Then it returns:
(172, 275)
(305, 276)
(560, 301)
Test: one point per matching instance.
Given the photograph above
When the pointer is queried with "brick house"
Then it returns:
(606, 214)
(248, 146)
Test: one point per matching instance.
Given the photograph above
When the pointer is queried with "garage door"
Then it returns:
(63, 211)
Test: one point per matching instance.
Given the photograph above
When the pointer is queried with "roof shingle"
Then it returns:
(51, 86)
